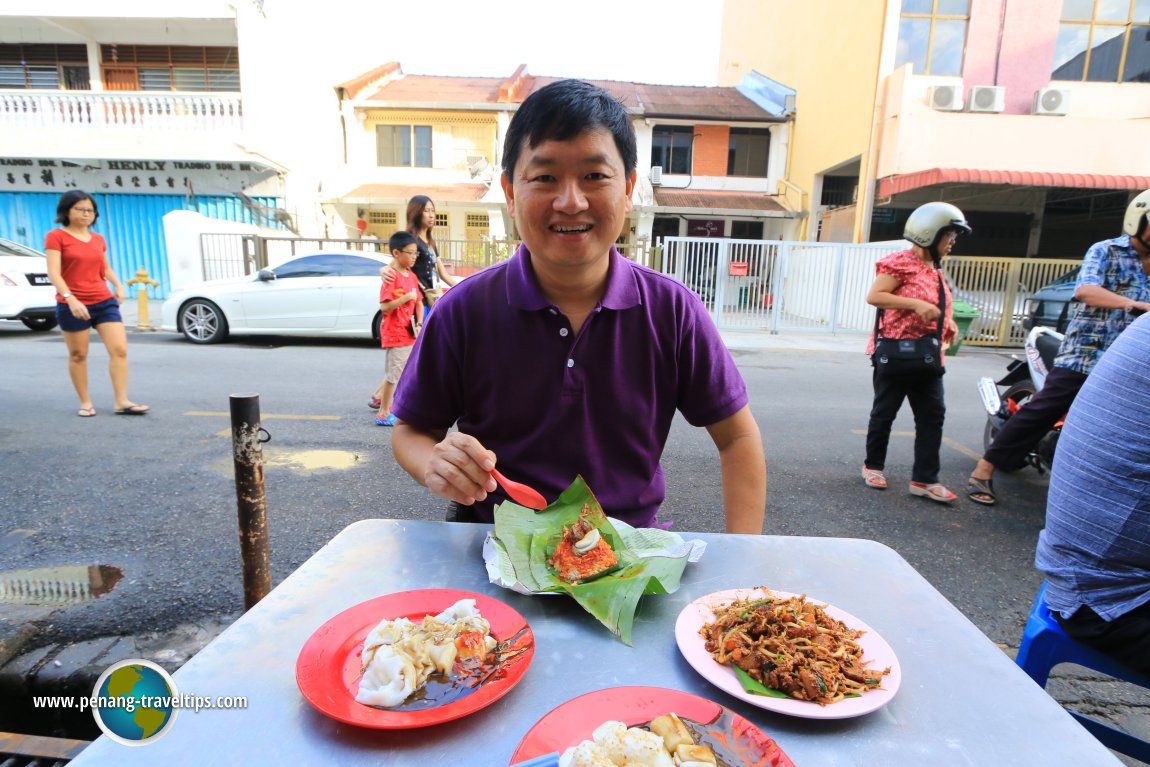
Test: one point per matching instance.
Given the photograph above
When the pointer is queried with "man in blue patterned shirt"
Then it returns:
(1112, 288)
(1095, 549)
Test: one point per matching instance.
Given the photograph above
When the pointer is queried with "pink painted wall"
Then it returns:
(1011, 43)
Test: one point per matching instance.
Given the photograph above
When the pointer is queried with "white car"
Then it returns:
(25, 293)
(332, 293)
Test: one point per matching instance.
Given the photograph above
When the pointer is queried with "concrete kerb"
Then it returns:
(741, 340)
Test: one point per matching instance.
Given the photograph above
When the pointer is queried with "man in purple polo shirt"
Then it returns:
(569, 359)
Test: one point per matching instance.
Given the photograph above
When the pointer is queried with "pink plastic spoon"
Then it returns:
(520, 493)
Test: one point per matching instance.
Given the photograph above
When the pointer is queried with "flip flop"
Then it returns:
(874, 478)
(934, 491)
(976, 487)
(132, 410)
(373, 403)
(86, 412)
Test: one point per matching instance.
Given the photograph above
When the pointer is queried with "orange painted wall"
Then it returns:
(710, 150)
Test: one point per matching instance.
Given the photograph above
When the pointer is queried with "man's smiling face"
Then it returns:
(570, 199)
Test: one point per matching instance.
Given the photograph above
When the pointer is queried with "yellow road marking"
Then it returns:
(945, 440)
(962, 449)
(269, 416)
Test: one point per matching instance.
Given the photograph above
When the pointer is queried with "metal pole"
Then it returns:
(248, 455)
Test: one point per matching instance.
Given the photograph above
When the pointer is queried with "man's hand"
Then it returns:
(457, 468)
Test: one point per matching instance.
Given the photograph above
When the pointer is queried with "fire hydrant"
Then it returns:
(143, 280)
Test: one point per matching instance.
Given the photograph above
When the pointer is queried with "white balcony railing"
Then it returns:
(128, 110)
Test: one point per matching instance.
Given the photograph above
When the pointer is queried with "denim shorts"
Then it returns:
(105, 311)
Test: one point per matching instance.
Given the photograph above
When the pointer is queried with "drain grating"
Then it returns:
(58, 586)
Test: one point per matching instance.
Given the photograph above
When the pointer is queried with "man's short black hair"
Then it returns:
(401, 240)
(562, 111)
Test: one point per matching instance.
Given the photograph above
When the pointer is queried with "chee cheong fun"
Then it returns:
(667, 744)
(793, 646)
(399, 656)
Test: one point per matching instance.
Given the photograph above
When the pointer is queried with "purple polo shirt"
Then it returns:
(500, 361)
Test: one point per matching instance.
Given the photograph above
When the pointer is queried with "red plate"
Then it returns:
(574, 721)
(328, 668)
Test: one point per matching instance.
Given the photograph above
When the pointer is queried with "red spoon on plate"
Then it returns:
(520, 493)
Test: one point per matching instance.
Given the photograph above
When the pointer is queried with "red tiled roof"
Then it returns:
(681, 101)
(352, 87)
(443, 90)
(692, 198)
(674, 101)
(447, 193)
(892, 185)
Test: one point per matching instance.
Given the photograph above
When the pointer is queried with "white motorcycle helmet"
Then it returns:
(1136, 215)
(927, 224)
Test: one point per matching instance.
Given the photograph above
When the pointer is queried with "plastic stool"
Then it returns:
(1045, 644)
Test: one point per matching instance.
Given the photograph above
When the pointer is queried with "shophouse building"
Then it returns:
(1029, 115)
(712, 161)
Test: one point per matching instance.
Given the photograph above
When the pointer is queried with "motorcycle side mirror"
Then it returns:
(988, 393)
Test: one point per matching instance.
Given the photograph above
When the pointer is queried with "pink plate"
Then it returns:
(875, 650)
(574, 721)
(328, 668)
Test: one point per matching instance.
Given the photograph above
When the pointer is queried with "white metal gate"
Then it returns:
(778, 285)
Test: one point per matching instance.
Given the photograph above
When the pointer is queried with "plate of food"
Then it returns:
(657, 727)
(788, 653)
(415, 658)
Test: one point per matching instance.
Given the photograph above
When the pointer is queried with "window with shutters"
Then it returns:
(194, 68)
(748, 152)
(383, 217)
(44, 66)
(403, 146)
(671, 147)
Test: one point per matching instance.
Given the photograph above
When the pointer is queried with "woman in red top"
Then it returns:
(78, 266)
(907, 287)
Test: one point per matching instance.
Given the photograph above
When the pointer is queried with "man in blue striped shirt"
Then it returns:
(1112, 287)
(1095, 549)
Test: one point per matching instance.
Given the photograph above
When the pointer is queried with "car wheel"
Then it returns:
(1019, 393)
(375, 323)
(202, 322)
(39, 323)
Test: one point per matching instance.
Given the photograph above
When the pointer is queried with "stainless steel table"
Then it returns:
(962, 700)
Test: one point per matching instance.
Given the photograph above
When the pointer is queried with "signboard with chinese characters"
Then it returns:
(22, 174)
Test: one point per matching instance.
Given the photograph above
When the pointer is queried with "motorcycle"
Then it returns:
(1023, 379)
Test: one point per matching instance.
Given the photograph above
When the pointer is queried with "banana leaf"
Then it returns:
(529, 538)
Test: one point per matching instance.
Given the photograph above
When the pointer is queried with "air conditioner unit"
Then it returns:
(946, 98)
(1051, 101)
(656, 175)
(987, 98)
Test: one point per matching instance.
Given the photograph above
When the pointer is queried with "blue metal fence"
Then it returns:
(133, 225)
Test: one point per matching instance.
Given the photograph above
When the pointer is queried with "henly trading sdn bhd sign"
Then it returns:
(21, 174)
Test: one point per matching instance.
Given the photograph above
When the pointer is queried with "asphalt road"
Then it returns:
(155, 495)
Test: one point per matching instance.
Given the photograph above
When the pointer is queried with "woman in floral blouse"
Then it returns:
(907, 288)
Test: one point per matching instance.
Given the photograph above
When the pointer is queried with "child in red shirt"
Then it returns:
(402, 306)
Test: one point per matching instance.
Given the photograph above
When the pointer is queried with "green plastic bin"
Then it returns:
(964, 314)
